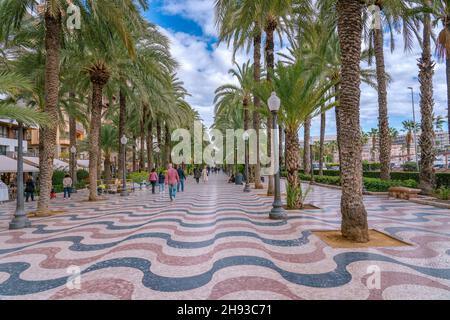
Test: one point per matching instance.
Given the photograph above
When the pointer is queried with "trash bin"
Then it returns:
(239, 178)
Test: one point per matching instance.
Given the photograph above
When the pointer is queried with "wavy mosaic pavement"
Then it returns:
(215, 242)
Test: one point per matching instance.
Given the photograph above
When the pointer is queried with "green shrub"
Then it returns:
(82, 175)
(410, 166)
(443, 180)
(138, 177)
(80, 185)
(378, 185)
(443, 193)
(58, 188)
(292, 194)
(371, 166)
(58, 176)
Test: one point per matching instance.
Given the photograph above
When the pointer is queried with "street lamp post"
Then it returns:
(311, 156)
(73, 152)
(247, 184)
(20, 219)
(414, 130)
(277, 212)
(124, 141)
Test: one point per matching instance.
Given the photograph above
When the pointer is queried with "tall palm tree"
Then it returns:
(441, 10)
(409, 127)
(50, 15)
(240, 95)
(392, 13)
(108, 144)
(374, 134)
(303, 94)
(354, 216)
(426, 141)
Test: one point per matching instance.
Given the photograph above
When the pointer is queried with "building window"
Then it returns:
(3, 132)
(3, 150)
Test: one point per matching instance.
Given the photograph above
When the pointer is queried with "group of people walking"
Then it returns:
(175, 178)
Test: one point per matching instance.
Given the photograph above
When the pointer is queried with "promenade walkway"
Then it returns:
(216, 242)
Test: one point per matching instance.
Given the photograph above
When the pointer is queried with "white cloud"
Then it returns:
(201, 69)
(204, 69)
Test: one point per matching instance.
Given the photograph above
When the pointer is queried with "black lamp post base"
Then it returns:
(19, 223)
(278, 213)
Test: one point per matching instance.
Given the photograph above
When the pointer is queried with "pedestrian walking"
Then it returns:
(153, 179)
(205, 175)
(197, 174)
(172, 180)
(67, 184)
(183, 178)
(161, 179)
(30, 187)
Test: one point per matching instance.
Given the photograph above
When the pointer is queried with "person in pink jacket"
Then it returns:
(153, 179)
(172, 179)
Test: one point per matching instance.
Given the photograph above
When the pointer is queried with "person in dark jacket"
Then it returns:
(161, 180)
(30, 188)
(197, 174)
(182, 176)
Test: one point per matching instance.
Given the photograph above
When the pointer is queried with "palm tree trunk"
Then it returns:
(257, 105)
(426, 141)
(306, 149)
(99, 161)
(94, 138)
(280, 145)
(167, 146)
(270, 62)
(134, 153)
(107, 165)
(47, 141)
(293, 164)
(159, 139)
(338, 126)
(408, 145)
(447, 62)
(122, 124)
(354, 216)
(322, 140)
(142, 142)
(383, 120)
(150, 146)
(73, 143)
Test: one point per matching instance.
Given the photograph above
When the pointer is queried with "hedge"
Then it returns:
(371, 184)
(442, 178)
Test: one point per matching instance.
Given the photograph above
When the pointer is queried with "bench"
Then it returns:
(403, 193)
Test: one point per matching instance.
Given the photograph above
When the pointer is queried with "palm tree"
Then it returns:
(374, 134)
(237, 95)
(49, 15)
(322, 140)
(13, 85)
(241, 22)
(392, 11)
(354, 216)
(426, 141)
(108, 144)
(303, 94)
(441, 10)
(409, 127)
(438, 122)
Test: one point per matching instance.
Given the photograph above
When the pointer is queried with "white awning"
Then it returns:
(57, 164)
(9, 165)
(83, 164)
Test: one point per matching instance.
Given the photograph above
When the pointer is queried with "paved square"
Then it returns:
(216, 242)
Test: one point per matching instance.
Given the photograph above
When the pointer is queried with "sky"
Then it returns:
(204, 65)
